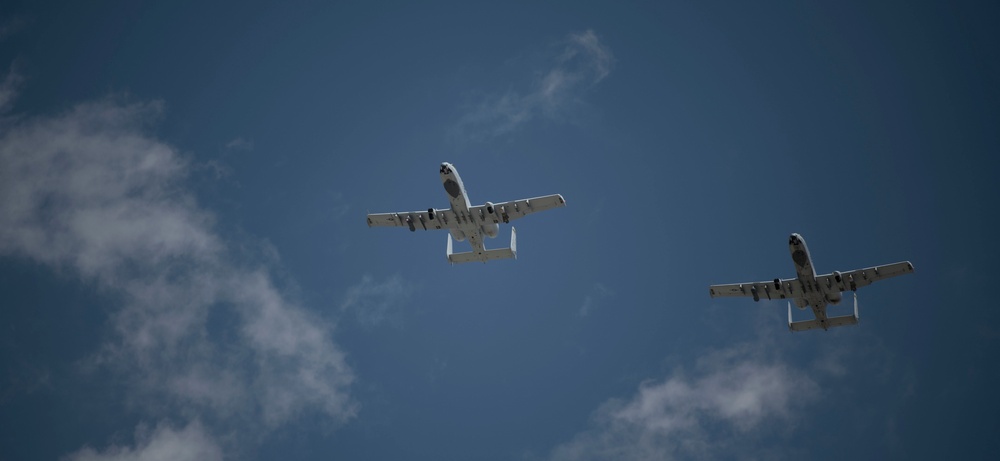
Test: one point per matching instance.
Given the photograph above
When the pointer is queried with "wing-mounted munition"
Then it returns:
(466, 222)
(814, 291)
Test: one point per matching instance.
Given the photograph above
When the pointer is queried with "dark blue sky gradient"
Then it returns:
(718, 129)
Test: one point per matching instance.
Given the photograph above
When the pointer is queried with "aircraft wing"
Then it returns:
(853, 280)
(520, 208)
(442, 219)
(756, 290)
(788, 288)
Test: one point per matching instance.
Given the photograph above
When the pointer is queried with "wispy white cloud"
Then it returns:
(740, 392)
(23, 378)
(12, 25)
(590, 302)
(8, 89)
(554, 94)
(599, 59)
(375, 303)
(89, 192)
(339, 206)
(190, 443)
(239, 144)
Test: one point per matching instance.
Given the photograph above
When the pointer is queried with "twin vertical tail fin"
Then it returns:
(513, 241)
(486, 255)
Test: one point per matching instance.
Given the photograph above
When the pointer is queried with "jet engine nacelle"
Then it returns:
(833, 295)
(457, 234)
(490, 229)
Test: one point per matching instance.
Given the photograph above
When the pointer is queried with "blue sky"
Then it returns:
(186, 272)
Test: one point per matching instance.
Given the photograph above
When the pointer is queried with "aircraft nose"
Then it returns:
(794, 239)
(445, 168)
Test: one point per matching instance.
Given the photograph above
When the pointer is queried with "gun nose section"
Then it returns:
(794, 239)
(445, 168)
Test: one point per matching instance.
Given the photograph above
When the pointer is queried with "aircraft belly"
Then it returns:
(475, 238)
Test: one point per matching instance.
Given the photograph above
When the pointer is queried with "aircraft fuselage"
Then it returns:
(811, 293)
(470, 225)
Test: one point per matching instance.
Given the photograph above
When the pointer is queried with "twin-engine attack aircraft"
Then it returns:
(811, 290)
(464, 221)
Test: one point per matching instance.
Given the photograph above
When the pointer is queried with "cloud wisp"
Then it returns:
(12, 25)
(593, 299)
(239, 144)
(190, 443)
(198, 328)
(375, 303)
(8, 89)
(732, 397)
(554, 95)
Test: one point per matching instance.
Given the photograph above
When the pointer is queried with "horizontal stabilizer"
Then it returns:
(486, 255)
(830, 322)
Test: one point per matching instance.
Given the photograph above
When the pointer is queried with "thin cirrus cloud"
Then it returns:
(11, 25)
(196, 327)
(593, 299)
(8, 89)
(375, 303)
(732, 398)
(190, 443)
(239, 144)
(556, 95)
